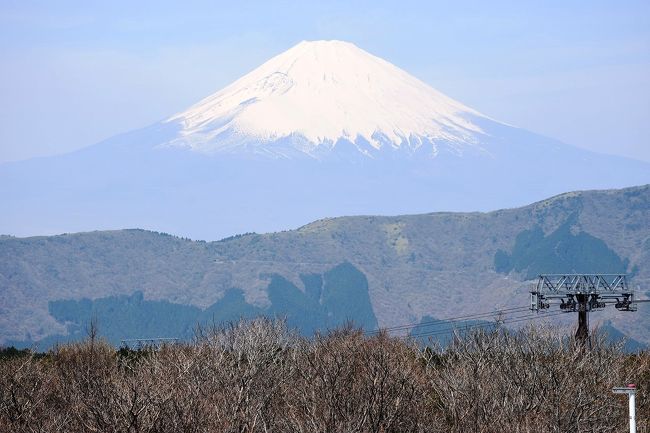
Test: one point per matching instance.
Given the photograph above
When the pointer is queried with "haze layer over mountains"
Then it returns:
(323, 129)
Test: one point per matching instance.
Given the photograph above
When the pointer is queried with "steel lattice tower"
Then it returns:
(582, 293)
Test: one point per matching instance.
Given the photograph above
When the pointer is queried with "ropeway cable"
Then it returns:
(450, 319)
(481, 325)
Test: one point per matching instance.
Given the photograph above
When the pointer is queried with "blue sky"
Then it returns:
(74, 73)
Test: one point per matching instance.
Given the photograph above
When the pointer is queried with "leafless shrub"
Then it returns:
(26, 401)
(258, 376)
(528, 381)
(346, 382)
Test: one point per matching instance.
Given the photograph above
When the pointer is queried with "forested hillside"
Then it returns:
(374, 270)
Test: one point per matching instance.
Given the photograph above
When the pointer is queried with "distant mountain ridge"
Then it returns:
(323, 129)
(392, 270)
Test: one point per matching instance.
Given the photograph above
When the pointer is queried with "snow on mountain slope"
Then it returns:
(324, 129)
(318, 93)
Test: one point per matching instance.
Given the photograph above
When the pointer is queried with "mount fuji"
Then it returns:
(323, 129)
(318, 94)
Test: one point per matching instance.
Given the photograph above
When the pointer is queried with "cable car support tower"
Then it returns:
(582, 293)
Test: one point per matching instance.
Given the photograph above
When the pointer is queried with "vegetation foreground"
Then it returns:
(257, 376)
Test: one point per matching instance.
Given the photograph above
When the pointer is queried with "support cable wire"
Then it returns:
(482, 325)
(478, 325)
(450, 319)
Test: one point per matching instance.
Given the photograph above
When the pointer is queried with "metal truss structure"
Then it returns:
(582, 293)
(600, 290)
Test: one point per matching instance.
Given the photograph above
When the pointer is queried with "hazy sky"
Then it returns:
(74, 73)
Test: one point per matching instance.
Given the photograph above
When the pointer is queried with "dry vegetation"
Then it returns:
(256, 376)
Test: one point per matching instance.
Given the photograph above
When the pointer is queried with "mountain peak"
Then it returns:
(318, 93)
(325, 43)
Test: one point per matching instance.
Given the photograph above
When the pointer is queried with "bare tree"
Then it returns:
(258, 376)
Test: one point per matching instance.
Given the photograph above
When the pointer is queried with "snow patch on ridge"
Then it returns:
(325, 91)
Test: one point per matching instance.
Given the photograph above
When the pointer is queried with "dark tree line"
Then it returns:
(257, 376)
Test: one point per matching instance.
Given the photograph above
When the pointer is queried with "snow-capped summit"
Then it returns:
(323, 129)
(317, 93)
